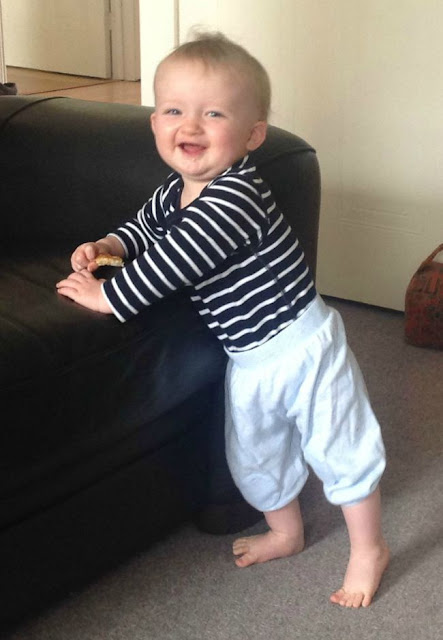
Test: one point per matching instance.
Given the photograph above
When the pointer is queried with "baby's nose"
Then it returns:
(192, 123)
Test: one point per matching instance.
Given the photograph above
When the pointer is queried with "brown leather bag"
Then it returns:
(424, 304)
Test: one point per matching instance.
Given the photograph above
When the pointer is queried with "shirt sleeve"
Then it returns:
(228, 216)
(144, 230)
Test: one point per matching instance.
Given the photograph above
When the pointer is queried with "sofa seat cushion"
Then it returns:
(67, 376)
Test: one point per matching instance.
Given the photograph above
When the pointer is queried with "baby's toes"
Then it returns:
(349, 600)
(240, 546)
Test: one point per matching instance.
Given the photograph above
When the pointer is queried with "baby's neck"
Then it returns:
(190, 193)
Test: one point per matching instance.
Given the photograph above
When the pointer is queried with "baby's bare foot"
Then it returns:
(363, 577)
(266, 546)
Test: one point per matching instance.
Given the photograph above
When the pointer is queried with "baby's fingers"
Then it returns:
(79, 261)
(85, 289)
(83, 256)
(75, 281)
(91, 251)
(92, 266)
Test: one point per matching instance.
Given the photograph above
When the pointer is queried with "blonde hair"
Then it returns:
(216, 50)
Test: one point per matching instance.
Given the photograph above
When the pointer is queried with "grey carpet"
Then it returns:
(188, 588)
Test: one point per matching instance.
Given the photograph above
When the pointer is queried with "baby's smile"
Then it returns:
(191, 148)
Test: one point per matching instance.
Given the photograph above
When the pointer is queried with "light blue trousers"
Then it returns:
(299, 400)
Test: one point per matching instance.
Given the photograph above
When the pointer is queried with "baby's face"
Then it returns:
(204, 120)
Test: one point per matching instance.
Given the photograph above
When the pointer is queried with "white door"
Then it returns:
(64, 36)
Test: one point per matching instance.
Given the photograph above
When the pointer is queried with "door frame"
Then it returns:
(125, 39)
(2, 51)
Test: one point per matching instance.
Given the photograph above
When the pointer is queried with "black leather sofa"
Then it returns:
(111, 434)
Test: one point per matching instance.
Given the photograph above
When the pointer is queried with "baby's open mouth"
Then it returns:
(191, 148)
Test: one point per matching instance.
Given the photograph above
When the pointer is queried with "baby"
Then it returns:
(294, 393)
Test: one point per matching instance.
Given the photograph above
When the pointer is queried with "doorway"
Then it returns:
(90, 38)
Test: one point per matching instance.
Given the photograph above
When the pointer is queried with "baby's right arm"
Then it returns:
(85, 254)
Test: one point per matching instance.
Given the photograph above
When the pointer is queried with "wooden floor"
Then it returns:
(32, 82)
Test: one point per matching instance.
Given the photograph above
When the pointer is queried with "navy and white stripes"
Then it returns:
(231, 246)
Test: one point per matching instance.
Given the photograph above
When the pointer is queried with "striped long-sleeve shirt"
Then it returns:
(232, 247)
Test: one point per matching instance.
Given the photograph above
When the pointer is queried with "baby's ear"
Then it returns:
(258, 135)
(153, 122)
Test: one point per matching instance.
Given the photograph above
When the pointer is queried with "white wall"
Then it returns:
(362, 81)
(158, 36)
(372, 106)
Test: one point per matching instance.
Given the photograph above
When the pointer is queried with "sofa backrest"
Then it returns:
(71, 170)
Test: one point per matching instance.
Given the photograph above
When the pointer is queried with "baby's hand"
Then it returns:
(84, 256)
(85, 289)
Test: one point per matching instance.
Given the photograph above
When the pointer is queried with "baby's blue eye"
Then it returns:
(173, 112)
(215, 114)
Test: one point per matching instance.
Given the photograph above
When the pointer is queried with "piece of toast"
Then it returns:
(107, 260)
